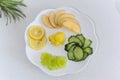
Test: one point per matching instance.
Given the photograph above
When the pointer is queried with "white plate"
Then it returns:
(87, 28)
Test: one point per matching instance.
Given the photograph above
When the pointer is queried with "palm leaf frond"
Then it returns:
(11, 10)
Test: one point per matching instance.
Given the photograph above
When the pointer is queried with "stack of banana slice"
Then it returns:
(37, 38)
(61, 19)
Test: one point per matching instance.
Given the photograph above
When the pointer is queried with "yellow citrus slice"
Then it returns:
(36, 32)
(37, 44)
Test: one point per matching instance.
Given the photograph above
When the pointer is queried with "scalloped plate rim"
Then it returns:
(95, 35)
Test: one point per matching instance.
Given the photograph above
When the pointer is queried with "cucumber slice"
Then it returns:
(78, 54)
(68, 46)
(70, 55)
(81, 38)
(88, 50)
(85, 55)
(72, 48)
(75, 39)
(87, 43)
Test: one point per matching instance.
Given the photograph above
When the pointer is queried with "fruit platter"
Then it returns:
(61, 41)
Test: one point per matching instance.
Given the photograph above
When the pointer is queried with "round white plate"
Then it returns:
(87, 29)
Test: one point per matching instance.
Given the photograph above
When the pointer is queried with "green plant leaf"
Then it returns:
(11, 9)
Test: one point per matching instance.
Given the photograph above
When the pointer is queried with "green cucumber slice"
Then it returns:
(70, 55)
(81, 38)
(72, 48)
(78, 54)
(75, 39)
(68, 46)
(87, 43)
(88, 50)
(85, 56)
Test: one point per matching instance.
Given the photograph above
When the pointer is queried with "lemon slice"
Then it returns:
(36, 32)
(37, 44)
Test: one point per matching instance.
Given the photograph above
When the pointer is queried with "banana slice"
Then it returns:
(72, 26)
(65, 15)
(67, 19)
(37, 44)
(46, 21)
(58, 14)
(52, 20)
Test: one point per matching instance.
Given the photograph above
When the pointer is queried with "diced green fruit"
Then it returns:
(61, 61)
(45, 58)
(53, 62)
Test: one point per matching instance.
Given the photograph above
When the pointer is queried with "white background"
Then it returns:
(105, 65)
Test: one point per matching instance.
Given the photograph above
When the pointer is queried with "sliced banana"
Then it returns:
(67, 19)
(65, 15)
(72, 26)
(52, 20)
(46, 21)
(58, 14)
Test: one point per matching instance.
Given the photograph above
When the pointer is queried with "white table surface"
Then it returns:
(105, 65)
